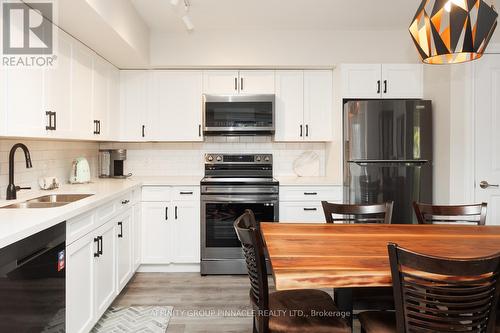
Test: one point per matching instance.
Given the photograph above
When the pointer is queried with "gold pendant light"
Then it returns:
(452, 31)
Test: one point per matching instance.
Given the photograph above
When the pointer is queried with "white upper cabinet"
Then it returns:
(318, 105)
(134, 98)
(57, 89)
(231, 82)
(100, 99)
(257, 82)
(113, 126)
(222, 82)
(382, 81)
(175, 106)
(402, 81)
(361, 81)
(81, 83)
(289, 107)
(304, 105)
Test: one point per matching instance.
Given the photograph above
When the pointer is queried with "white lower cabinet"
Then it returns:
(302, 204)
(137, 235)
(171, 228)
(125, 257)
(105, 268)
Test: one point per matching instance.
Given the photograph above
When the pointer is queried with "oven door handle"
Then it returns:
(240, 198)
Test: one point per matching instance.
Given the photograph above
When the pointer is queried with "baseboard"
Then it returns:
(169, 268)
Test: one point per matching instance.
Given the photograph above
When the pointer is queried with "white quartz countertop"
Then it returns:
(17, 224)
(307, 181)
(170, 180)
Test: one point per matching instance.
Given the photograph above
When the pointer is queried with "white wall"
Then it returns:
(279, 48)
(49, 158)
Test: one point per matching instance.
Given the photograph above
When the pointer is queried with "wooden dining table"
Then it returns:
(345, 256)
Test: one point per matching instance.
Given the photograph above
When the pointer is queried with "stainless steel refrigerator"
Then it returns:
(388, 154)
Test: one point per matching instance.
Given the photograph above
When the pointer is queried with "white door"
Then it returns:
(100, 106)
(80, 263)
(318, 105)
(113, 126)
(57, 88)
(81, 82)
(25, 116)
(361, 81)
(105, 268)
(256, 82)
(223, 82)
(136, 235)
(156, 232)
(402, 81)
(301, 212)
(487, 109)
(134, 87)
(124, 235)
(186, 232)
(176, 106)
(289, 105)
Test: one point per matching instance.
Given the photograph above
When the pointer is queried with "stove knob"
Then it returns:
(219, 158)
(210, 158)
(267, 159)
(258, 158)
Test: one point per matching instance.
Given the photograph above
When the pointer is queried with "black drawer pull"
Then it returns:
(99, 242)
(124, 202)
(310, 209)
(310, 193)
(185, 193)
(176, 212)
(166, 213)
(96, 254)
(120, 224)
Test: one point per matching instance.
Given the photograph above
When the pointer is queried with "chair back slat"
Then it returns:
(380, 213)
(252, 243)
(460, 214)
(435, 294)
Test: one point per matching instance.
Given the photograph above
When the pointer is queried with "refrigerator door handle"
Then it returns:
(391, 163)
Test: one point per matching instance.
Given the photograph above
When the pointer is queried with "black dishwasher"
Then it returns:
(33, 283)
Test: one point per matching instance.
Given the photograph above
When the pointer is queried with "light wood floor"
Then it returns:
(191, 292)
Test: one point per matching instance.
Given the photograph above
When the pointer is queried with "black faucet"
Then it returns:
(12, 189)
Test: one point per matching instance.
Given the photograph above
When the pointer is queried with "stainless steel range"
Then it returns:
(232, 184)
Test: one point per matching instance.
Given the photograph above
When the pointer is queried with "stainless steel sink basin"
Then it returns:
(49, 201)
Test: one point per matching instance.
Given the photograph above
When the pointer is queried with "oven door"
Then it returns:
(238, 115)
(218, 213)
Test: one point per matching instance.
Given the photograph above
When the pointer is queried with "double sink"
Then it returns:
(49, 201)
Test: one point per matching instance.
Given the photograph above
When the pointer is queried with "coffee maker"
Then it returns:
(111, 162)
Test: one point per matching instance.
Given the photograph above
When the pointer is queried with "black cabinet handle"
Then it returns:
(120, 224)
(307, 130)
(124, 202)
(55, 121)
(185, 193)
(95, 127)
(310, 209)
(49, 119)
(378, 87)
(241, 87)
(99, 127)
(143, 131)
(176, 212)
(96, 254)
(236, 83)
(99, 249)
(166, 213)
(310, 193)
(300, 130)
(199, 131)
(385, 86)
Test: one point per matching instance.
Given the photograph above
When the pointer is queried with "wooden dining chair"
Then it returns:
(379, 213)
(277, 312)
(434, 294)
(462, 214)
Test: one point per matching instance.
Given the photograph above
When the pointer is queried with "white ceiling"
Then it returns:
(160, 15)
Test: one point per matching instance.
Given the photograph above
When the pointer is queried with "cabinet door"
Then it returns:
(80, 284)
(3, 84)
(25, 116)
(301, 212)
(57, 88)
(402, 81)
(289, 106)
(186, 232)
(318, 105)
(256, 82)
(81, 79)
(124, 235)
(113, 126)
(136, 235)
(176, 106)
(105, 268)
(134, 86)
(361, 81)
(156, 232)
(100, 98)
(220, 82)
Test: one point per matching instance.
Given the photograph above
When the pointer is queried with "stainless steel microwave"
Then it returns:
(238, 115)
